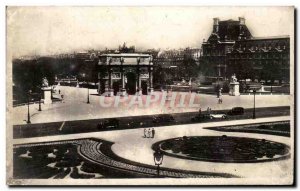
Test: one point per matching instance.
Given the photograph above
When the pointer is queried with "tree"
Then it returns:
(189, 68)
(158, 75)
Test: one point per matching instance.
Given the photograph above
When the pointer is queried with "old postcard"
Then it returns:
(150, 95)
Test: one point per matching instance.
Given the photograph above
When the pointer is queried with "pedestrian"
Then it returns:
(58, 91)
(153, 133)
(149, 133)
(200, 111)
(145, 133)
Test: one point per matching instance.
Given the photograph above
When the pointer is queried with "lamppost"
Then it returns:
(28, 114)
(254, 91)
(88, 95)
(158, 158)
(40, 107)
(40, 97)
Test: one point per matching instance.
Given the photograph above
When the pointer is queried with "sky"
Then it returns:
(55, 30)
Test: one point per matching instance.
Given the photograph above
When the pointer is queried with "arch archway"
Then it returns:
(131, 83)
(116, 87)
(144, 87)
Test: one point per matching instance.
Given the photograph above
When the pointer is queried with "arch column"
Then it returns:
(122, 84)
(150, 89)
(138, 80)
(99, 86)
(111, 91)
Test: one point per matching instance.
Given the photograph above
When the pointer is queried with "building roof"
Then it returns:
(231, 30)
(269, 37)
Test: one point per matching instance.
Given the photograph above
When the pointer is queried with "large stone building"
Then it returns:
(126, 73)
(261, 59)
(232, 49)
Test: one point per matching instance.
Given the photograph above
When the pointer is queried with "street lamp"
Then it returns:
(28, 114)
(40, 97)
(40, 107)
(88, 95)
(254, 91)
(158, 158)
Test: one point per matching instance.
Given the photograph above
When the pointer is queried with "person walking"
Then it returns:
(149, 133)
(200, 111)
(153, 133)
(145, 133)
(208, 110)
(58, 91)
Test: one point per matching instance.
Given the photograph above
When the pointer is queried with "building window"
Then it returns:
(264, 46)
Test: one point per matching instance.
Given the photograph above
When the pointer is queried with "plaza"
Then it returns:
(74, 106)
(139, 149)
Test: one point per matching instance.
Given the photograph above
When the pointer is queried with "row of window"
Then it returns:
(262, 63)
(266, 46)
(259, 55)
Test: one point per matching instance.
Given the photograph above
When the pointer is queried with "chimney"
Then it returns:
(242, 20)
(242, 23)
(216, 25)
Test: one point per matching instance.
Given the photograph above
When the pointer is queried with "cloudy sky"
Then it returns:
(52, 30)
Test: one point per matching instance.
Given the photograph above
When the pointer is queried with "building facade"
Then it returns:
(125, 73)
(231, 49)
(261, 59)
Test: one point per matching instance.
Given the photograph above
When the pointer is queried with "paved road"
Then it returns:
(83, 126)
(99, 152)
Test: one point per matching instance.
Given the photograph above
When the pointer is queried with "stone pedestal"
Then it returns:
(47, 95)
(139, 92)
(109, 93)
(123, 92)
(150, 91)
(234, 89)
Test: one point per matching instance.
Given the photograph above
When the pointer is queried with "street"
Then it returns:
(145, 121)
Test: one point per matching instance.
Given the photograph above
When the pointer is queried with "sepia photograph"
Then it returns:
(150, 96)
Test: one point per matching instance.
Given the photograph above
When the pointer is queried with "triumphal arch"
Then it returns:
(125, 73)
